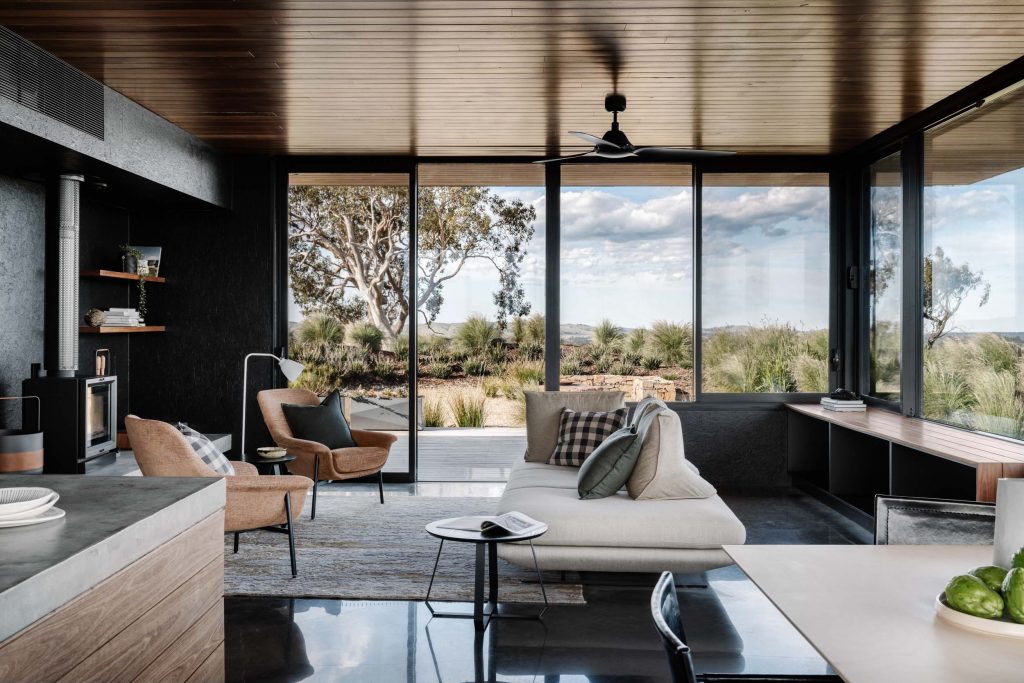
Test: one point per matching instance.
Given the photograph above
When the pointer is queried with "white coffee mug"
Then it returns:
(1009, 520)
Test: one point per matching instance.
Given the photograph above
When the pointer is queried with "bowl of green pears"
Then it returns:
(988, 599)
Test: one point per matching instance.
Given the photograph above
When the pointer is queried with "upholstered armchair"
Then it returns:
(315, 460)
(253, 501)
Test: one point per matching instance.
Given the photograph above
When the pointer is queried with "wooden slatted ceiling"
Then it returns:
(510, 77)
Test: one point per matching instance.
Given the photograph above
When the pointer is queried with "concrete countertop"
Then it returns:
(110, 523)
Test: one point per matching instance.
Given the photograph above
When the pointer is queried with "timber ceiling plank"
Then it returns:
(511, 77)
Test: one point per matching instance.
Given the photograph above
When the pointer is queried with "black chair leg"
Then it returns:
(291, 532)
(316, 483)
(236, 542)
(380, 485)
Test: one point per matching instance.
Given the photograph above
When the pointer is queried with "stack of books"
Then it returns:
(123, 317)
(840, 406)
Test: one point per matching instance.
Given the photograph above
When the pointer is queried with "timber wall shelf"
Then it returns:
(111, 329)
(116, 275)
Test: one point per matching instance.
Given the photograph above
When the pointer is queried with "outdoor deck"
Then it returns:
(461, 454)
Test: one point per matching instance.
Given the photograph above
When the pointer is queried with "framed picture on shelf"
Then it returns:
(149, 264)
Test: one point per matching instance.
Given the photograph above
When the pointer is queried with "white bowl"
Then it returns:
(1005, 627)
(45, 505)
(271, 452)
(20, 498)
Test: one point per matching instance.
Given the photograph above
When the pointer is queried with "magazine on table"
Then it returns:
(508, 524)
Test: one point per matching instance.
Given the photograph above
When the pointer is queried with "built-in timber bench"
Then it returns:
(848, 457)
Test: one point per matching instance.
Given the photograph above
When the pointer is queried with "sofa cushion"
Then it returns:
(324, 423)
(543, 409)
(541, 474)
(610, 465)
(206, 450)
(661, 471)
(619, 521)
(579, 434)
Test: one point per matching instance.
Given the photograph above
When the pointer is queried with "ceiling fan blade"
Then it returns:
(679, 153)
(571, 156)
(594, 140)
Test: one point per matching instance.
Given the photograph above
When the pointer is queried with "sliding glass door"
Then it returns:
(348, 261)
(480, 316)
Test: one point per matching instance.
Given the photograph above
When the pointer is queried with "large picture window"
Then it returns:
(884, 278)
(765, 279)
(627, 280)
(973, 270)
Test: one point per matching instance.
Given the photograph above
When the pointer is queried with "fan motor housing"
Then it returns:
(615, 102)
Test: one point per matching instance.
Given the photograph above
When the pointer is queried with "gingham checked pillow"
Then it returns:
(205, 449)
(580, 433)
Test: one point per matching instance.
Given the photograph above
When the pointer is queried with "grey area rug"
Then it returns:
(358, 549)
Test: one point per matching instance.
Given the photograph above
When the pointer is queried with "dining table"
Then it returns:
(870, 610)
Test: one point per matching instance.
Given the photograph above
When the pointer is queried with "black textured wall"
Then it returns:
(218, 305)
(104, 228)
(22, 245)
(739, 447)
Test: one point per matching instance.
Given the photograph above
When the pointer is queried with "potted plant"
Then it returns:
(133, 263)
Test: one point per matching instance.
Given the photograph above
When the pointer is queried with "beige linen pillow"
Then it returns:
(544, 408)
(662, 471)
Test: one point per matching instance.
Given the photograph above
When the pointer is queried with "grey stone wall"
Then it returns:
(22, 243)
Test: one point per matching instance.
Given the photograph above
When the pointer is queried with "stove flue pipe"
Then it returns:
(67, 274)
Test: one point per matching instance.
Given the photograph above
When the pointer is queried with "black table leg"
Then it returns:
(478, 589)
(492, 572)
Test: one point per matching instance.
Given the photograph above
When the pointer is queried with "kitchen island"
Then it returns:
(127, 586)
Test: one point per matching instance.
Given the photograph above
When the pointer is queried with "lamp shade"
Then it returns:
(291, 369)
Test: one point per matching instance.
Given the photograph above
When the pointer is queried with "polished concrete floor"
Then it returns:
(731, 626)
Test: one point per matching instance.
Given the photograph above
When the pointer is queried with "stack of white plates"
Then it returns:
(25, 505)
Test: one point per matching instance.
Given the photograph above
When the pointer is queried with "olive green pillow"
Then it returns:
(608, 468)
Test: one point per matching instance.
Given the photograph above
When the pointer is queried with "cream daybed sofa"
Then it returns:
(617, 533)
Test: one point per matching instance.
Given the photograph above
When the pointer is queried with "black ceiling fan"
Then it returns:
(615, 144)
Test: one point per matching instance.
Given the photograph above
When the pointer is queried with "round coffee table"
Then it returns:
(482, 617)
(271, 465)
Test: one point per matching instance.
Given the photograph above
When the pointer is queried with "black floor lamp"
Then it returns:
(289, 368)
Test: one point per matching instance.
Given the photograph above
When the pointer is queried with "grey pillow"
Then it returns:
(609, 467)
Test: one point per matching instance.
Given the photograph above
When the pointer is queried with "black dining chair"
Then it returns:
(902, 520)
(668, 621)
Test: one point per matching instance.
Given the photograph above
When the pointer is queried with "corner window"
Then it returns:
(765, 283)
(973, 270)
(884, 278)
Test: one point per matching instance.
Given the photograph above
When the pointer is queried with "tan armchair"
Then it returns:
(315, 460)
(253, 501)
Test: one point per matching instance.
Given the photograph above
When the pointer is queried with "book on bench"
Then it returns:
(509, 524)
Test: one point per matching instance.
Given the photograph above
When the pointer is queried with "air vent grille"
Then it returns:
(36, 79)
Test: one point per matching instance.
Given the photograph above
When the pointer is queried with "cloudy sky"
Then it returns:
(627, 256)
(982, 225)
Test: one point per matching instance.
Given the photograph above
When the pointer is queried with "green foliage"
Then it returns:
(637, 340)
(607, 334)
(673, 342)
(945, 287)
(401, 346)
(570, 367)
(433, 413)
(366, 336)
(467, 408)
(632, 358)
(497, 355)
(603, 363)
(517, 330)
(441, 369)
(320, 330)
(526, 372)
(535, 330)
(475, 367)
(357, 369)
(671, 376)
(476, 335)
(997, 353)
(946, 391)
(491, 386)
(811, 373)
(531, 351)
(755, 360)
(385, 368)
(651, 363)
(621, 368)
(434, 346)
